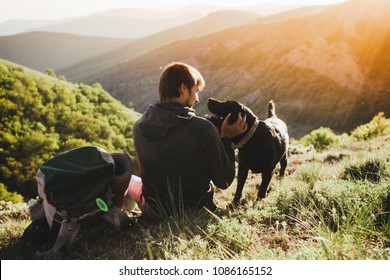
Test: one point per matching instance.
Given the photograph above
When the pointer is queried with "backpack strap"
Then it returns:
(67, 234)
(70, 227)
(117, 218)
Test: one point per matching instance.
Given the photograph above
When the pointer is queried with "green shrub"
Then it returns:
(372, 169)
(319, 138)
(378, 126)
(9, 196)
(309, 174)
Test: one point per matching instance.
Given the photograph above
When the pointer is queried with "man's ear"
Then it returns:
(183, 87)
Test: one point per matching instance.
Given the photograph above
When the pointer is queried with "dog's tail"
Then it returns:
(271, 109)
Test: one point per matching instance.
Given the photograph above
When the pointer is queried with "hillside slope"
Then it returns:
(315, 213)
(88, 69)
(42, 116)
(15, 26)
(117, 27)
(42, 50)
(324, 68)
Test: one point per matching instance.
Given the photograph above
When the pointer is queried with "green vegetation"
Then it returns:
(378, 126)
(371, 169)
(42, 116)
(9, 196)
(333, 204)
(322, 137)
(319, 138)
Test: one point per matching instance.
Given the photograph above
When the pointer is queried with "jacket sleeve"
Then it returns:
(221, 160)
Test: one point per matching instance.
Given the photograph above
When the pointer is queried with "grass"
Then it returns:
(321, 210)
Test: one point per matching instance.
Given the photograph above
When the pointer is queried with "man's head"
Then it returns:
(180, 82)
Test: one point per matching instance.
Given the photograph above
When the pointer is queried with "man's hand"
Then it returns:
(231, 131)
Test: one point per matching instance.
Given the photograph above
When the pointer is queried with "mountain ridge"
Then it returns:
(43, 50)
(194, 11)
(116, 27)
(85, 71)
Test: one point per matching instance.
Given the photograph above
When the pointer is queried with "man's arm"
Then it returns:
(223, 166)
(221, 160)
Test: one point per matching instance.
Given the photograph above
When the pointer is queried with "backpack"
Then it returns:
(79, 185)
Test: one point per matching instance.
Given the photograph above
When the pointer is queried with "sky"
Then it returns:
(55, 9)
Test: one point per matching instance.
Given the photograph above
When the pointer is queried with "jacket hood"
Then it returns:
(160, 118)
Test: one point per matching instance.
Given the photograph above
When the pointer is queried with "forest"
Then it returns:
(43, 115)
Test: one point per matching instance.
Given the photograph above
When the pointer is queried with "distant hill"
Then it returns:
(42, 116)
(133, 22)
(88, 69)
(15, 26)
(42, 50)
(328, 67)
(117, 27)
(118, 23)
(81, 58)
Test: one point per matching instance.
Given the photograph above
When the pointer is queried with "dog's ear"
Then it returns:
(235, 108)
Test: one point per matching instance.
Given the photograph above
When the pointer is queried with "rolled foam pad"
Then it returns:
(122, 176)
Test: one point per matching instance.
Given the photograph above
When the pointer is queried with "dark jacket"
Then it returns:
(179, 153)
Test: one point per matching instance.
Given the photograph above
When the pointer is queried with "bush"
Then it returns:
(372, 169)
(9, 196)
(309, 174)
(378, 126)
(319, 138)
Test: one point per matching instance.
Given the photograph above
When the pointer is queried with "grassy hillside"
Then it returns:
(332, 204)
(322, 68)
(42, 115)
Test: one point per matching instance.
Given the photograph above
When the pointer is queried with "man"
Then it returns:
(179, 153)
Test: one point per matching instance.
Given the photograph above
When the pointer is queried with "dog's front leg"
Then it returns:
(241, 178)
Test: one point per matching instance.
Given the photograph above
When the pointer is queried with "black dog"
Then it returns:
(261, 146)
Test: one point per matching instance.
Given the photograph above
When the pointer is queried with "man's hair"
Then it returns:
(174, 75)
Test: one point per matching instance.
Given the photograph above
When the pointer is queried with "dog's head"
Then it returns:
(222, 109)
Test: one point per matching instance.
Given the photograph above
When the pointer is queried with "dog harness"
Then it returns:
(248, 136)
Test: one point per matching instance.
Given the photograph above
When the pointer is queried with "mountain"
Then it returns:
(328, 67)
(117, 27)
(42, 50)
(137, 23)
(80, 58)
(157, 13)
(43, 115)
(270, 8)
(120, 22)
(88, 69)
(15, 26)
